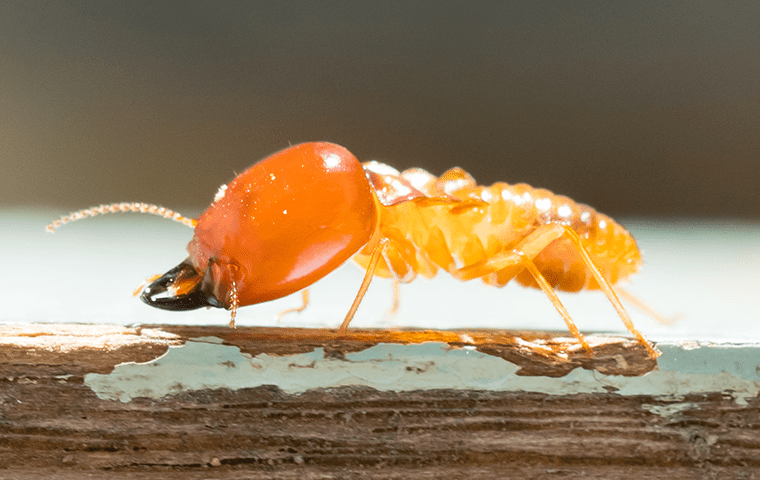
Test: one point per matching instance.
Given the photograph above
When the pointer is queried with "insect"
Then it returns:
(297, 215)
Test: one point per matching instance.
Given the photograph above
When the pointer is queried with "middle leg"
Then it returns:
(520, 258)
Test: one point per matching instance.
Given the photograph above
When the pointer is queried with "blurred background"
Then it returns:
(637, 108)
(648, 111)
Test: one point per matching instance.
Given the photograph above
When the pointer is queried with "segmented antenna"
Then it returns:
(235, 303)
(122, 207)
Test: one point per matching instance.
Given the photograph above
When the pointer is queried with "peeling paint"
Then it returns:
(206, 363)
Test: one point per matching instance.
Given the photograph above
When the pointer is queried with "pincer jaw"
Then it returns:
(179, 289)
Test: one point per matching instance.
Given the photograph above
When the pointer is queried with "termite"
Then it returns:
(292, 218)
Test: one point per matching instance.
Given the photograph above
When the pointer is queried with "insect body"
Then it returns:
(292, 218)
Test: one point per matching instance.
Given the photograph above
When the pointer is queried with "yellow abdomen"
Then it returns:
(451, 223)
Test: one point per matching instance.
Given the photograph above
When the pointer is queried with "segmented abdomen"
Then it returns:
(451, 222)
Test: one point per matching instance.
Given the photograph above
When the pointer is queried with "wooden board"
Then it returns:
(51, 421)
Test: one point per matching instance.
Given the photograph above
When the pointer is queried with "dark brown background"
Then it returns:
(638, 108)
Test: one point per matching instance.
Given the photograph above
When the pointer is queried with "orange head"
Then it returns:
(275, 229)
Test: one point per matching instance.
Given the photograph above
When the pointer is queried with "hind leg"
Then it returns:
(521, 257)
(646, 308)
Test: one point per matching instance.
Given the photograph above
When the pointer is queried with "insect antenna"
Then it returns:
(122, 207)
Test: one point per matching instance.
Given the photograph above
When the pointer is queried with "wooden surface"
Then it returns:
(52, 421)
(60, 425)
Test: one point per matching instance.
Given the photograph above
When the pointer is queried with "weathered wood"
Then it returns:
(51, 421)
(100, 347)
(60, 424)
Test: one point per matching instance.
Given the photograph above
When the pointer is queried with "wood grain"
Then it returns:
(51, 421)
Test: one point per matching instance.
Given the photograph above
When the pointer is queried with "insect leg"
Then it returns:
(396, 294)
(549, 291)
(377, 251)
(531, 246)
(305, 299)
(521, 257)
(644, 307)
(608, 290)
